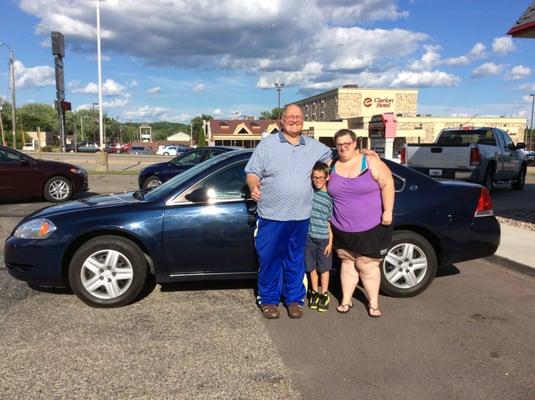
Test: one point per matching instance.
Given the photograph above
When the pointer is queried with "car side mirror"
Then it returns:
(202, 195)
(520, 145)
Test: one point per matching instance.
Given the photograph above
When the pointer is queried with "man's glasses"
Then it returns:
(319, 178)
(344, 145)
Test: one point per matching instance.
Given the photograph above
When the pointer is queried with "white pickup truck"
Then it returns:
(481, 155)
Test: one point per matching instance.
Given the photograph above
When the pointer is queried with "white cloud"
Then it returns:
(346, 12)
(146, 113)
(477, 52)
(425, 78)
(183, 117)
(33, 76)
(133, 83)
(503, 45)
(109, 88)
(517, 73)
(429, 59)
(487, 69)
(199, 87)
(528, 87)
(217, 112)
(154, 90)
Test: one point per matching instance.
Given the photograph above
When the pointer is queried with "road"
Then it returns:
(469, 336)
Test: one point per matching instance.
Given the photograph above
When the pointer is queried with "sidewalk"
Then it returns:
(517, 249)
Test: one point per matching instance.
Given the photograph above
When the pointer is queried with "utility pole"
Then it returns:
(2, 124)
(278, 88)
(13, 96)
(530, 147)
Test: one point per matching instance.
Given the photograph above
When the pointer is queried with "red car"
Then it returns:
(22, 176)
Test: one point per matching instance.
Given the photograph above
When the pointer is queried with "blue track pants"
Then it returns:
(281, 252)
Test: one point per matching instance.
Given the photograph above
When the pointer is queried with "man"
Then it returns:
(278, 176)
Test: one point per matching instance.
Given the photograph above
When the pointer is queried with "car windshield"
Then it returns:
(170, 186)
(193, 157)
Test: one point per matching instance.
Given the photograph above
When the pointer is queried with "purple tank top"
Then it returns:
(357, 204)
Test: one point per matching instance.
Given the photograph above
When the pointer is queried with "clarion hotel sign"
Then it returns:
(380, 102)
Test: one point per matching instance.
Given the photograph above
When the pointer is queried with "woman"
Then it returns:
(362, 190)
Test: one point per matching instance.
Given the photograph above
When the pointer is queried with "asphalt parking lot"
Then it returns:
(469, 336)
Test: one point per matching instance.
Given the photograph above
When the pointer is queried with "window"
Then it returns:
(194, 157)
(507, 139)
(228, 184)
(398, 183)
(215, 152)
(6, 156)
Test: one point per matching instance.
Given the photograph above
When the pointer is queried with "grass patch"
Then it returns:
(115, 172)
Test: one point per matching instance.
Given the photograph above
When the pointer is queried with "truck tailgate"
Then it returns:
(434, 156)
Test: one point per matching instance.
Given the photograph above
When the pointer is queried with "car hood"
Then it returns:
(48, 163)
(157, 165)
(113, 199)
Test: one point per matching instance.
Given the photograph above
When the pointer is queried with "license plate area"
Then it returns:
(435, 172)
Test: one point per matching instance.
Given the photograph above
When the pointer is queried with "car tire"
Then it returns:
(488, 182)
(96, 266)
(166, 154)
(520, 182)
(58, 189)
(151, 182)
(409, 266)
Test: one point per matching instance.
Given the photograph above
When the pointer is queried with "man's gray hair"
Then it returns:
(292, 105)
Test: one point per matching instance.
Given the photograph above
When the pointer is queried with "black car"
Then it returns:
(24, 177)
(155, 174)
(200, 225)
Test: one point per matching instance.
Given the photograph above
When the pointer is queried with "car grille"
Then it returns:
(18, 267)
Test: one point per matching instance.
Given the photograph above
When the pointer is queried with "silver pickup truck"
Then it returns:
(481, 155)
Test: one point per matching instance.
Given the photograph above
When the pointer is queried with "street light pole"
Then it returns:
(13, 96)
(530, 147)
(279, 87)
(99, 61)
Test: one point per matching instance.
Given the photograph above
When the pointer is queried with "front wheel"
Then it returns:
(108, 271)
(58, 189)
(520, 182)
(409, 266)
(151, 182)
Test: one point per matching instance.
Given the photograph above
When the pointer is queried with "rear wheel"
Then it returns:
(409, 266)
(520, 182)
(58, 189)
(151, 182)
(166, 154)
(489, 179)
(108, 271)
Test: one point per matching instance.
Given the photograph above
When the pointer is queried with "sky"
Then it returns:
(170, 60)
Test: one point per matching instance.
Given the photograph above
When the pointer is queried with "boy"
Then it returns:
(320, 240)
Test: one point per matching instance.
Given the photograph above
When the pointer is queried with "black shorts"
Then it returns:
(314, 256)
(373, 243)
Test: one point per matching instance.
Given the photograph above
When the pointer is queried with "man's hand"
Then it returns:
(255, 192)
(370, 153)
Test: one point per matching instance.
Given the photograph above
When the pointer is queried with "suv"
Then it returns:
(172, 150)
(155, 174)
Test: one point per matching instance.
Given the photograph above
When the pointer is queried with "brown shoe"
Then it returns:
(270, 311)
(295, 310)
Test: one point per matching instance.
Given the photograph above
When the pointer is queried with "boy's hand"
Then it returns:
(328, 249)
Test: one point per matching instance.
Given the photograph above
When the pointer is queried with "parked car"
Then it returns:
(115, 147)
(200, 225)
(155, 174)
(481, 155)
(24, 177)
(143, 150)
(172, 150)
(87, 147)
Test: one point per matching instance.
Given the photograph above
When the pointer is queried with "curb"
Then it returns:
(512, 265)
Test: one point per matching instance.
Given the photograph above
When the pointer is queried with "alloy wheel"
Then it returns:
(405, 265)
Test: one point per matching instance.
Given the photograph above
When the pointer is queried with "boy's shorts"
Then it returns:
(314, 256)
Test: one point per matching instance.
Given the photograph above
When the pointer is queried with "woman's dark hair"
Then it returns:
(344, 132)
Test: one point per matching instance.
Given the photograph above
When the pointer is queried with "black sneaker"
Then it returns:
(313, 299)
(323, 302)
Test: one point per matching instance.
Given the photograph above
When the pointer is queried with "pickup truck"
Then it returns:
(481, 155)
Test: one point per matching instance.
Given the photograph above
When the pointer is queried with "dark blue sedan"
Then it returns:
(200, 225)
(155, 174)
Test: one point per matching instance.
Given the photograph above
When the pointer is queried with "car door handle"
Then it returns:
(251, 212)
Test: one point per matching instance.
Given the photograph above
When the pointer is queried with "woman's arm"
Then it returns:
(382, 174)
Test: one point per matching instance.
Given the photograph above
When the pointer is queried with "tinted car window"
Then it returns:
(228, 184)
(6, 156)
(507, 139)
(462, 136)
(398, 183)
(194, 157)
(215, 152)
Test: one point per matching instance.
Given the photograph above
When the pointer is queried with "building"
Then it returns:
(353, 108)
(525, 26)
(242, 133)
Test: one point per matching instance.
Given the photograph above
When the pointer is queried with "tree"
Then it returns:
(197, 129)
(276, 113)
(36, 115)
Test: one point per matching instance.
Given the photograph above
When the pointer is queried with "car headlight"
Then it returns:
(80, 171)
(35, 229)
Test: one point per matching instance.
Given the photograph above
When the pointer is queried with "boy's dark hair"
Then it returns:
(322, 167)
